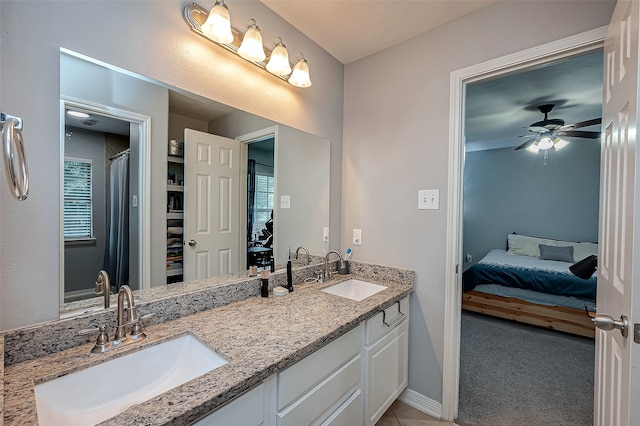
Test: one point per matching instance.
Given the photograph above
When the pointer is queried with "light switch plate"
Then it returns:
(325, 234)
(429, 199)
(357, 237)
(285, 202)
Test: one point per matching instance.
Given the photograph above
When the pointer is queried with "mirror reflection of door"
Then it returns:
(97, 215)
(211, 204)
(260, 199)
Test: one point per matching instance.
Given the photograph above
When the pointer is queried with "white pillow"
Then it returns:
(524, 245)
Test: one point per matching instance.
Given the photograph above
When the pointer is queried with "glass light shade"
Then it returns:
(279, 62)
(545, 143)
(218, 24)
(533, 148)
(300, 75)
(251, 48)
(558, 144)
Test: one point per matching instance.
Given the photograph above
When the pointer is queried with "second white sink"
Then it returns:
(92, 395)
(354, 289)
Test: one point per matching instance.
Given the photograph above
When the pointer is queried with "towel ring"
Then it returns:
(15, 162)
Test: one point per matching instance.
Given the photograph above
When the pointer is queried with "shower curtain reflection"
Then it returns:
(116, 256)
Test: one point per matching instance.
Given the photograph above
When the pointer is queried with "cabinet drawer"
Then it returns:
(307, 373)
(348, 414)
(249, 409)
(326, 398)
(385, 321)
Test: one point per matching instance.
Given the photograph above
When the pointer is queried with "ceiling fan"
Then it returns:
(548, 133)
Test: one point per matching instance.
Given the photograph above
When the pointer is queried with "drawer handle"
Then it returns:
(395, 321)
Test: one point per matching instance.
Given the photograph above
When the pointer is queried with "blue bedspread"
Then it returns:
(551, 282)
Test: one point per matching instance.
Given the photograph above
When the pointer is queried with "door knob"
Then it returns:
(192, 243)
(606, 322)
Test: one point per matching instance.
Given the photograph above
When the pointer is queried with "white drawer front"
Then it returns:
(319, 403)
(304, 375)
(248, 409)
(349, 413)
(392, 316)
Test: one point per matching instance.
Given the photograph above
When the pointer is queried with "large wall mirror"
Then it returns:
(162, 186)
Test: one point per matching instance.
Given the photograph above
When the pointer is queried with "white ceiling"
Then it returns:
(353, 29)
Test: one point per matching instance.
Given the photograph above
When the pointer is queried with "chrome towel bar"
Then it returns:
(15, 161)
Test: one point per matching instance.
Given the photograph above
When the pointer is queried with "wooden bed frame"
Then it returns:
(568, 320)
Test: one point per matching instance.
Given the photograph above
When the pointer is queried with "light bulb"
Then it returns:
(545, 143)
(533, 148)
(300, 75)
(251, 48)
(218, 24)
(559, 143)
(279, 61)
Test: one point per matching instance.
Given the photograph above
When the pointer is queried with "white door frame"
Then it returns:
(245, 140)
(144, 190)
(569, 46)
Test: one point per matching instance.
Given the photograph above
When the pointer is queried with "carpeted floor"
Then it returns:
(514, 374)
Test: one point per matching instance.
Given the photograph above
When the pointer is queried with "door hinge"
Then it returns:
(636, 333)
(457, 267)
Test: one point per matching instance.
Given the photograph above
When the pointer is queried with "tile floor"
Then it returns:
(401, 414)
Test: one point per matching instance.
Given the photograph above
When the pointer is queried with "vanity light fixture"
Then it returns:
(248, 46)
(251, 48)
(279, 61)
(300, 75)
(218, 24)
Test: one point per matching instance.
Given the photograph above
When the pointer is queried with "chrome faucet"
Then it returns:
(307, 251)
(103, 286)
(327, 269)
(132, 313)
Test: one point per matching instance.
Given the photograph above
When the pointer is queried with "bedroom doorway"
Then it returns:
(539, 58)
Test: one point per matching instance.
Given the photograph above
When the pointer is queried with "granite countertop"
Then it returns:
(258, 336)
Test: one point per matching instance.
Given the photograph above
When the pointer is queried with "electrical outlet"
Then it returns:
(468, 258)
(325, 234)
(285, 202)
(429, 199)
(357, 237)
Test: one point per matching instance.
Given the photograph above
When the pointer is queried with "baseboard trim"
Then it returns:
(421, 402)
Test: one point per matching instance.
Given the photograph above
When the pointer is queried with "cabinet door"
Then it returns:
(249, 409)
(386, 372)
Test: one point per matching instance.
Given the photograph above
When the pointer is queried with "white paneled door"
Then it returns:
(211, 205)
(617, 375)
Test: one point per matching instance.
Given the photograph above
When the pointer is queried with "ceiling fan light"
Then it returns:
(279, 62)
(251, 48)
(545, 143)
(533, 148)
(218, 24)
(559, 143)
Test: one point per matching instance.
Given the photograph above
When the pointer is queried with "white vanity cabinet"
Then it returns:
(324, 388)
(386, 359)
(252, 408)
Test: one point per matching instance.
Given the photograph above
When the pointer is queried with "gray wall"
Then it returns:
(150, 39)
(513, 191)
(396, 141)
(83, 261)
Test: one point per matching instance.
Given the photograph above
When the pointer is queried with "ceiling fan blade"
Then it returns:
(526, 144)
(579, 134)
(586, 123)
(537, 129)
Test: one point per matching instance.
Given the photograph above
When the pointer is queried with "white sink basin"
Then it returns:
(354, 289)
(100, 392)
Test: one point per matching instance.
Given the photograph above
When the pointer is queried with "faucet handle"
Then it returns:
(101, 342)
(136, 330)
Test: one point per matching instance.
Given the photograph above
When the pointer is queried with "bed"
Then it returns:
(530, 282)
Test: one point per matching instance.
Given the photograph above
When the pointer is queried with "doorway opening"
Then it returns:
(104, 207)
(528, 59)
